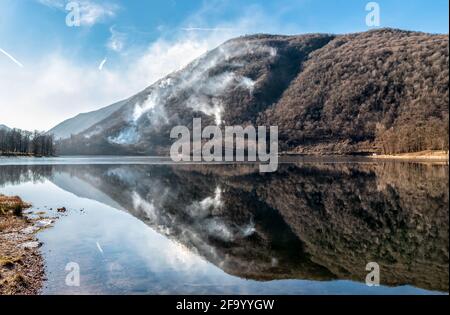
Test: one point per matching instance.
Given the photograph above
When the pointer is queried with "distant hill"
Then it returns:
(83, 121)
(383, 91)
(3, 127)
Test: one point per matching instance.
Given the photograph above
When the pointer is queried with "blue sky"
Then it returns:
(140, 41)
(31, 26)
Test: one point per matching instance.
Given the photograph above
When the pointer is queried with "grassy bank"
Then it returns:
(423, 155)
(21, 264)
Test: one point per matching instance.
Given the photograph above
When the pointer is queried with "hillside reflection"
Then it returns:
(315, 221)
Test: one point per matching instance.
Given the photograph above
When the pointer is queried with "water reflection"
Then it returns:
(309, 221)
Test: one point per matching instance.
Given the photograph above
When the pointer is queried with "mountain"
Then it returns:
(3, 127)
(83, 121)
(378, 91)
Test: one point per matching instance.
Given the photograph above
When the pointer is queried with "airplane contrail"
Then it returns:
(100, 249)
(12, 58)
(100, 67)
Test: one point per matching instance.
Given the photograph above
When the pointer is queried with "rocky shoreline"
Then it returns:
(22, 270)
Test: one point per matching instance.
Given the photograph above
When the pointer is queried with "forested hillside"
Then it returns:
(383, 90)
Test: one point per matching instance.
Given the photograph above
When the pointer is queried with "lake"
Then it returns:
(148, 226)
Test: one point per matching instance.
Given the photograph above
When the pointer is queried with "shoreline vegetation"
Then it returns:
(21, 263)
(20, 154)
(431, 155)
(422, 155)
(16, 142)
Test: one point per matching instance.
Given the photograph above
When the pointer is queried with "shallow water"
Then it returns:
(142, 226)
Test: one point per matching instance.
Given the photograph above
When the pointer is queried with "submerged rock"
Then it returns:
(29, 230)
(44, 223)
(31, 245)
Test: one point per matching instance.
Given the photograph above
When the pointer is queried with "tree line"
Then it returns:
(415, 138)
(21, 142)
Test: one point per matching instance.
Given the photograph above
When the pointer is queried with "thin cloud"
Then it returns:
(117, 40)
(91, 12)
(56, 4)
(206, 29)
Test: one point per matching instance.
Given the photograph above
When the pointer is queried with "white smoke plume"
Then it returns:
(204, 89)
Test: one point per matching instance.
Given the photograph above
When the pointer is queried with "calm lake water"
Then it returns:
(146, 226)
